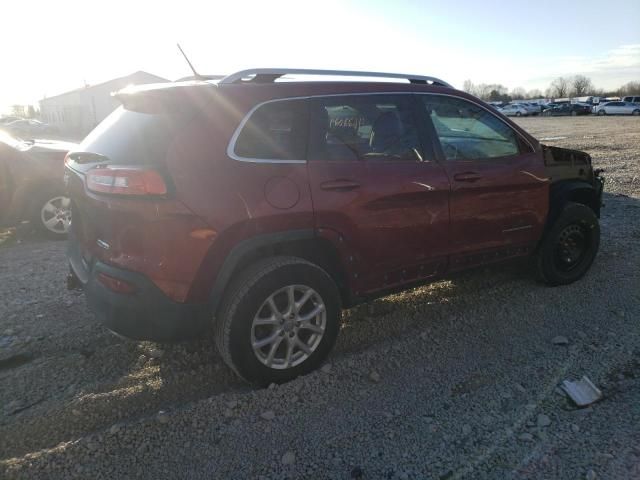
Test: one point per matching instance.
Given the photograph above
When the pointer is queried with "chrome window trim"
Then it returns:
(232, 143)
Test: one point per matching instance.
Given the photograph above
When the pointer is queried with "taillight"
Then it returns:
(126, 181)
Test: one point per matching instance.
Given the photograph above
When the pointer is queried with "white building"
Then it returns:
(75, 113)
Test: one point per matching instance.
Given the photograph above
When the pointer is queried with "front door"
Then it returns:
(499, 189)
(375, 189)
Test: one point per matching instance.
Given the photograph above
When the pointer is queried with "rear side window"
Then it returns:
(364, 127)
(274, 131)
(135, 138)
(468, 132)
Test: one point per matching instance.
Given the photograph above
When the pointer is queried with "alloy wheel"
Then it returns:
(288, 327)
(55, 215)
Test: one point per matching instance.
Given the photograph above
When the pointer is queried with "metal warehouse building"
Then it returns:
(75, 113)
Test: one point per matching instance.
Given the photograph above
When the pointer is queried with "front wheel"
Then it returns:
(517, 114)
(602, 112)
(574, 113)
(279, 320)
(568, 248)
(635, 112)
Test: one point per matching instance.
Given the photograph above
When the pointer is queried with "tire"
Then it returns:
(602, 112)
(517, 114)
(568, 248)
(635, 112)
(52, 215)
(247, 302)
(574, 113)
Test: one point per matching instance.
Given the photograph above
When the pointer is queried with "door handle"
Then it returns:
(467, 177)
(340, 185)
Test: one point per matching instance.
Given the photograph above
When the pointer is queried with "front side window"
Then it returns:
(363, 127)
(468, 132)
(274, 131)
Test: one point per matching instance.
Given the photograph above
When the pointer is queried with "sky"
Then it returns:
(50, 47)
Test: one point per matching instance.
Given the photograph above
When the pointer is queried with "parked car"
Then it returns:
(259, 209)
(27, 128)
(31, 185)
(533, 109)
(617, 108)
(572, 109)
(632, 99)
(514, 110)
(7, 119)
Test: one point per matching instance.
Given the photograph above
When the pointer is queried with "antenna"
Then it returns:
(196, 75)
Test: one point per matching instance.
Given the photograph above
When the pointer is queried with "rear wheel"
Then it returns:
(279, 320)
(569, 247)
(52, 215)
(574, 113)
(636, 112)
(602, 112)
(517, 114)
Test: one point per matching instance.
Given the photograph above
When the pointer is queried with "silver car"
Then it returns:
(514, 110)
(617, 108)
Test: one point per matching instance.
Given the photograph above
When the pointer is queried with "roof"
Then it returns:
(151, 77)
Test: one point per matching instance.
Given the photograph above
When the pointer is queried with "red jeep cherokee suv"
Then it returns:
(261, 208)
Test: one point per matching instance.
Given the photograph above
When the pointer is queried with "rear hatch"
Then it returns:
(125, 209)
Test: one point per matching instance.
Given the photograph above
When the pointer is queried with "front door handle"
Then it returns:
(467, 177)
(340, 185)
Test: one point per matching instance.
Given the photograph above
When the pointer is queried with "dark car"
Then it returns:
(572, 109)
(256, 210)
(31, 184)
(28, 128)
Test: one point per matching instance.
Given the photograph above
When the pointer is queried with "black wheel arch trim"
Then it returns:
(574, 191)
(246, 247)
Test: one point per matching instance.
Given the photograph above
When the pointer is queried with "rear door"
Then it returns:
(377, 192)
(499, 189)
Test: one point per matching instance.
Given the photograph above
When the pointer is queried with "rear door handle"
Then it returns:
(467, 177)
(340, 185)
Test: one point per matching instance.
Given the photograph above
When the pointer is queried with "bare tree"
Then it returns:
(469, 87)
(535, 93)
(559, 88)
(519, 93)
(483, 91)
(630, 88)
(581, 86)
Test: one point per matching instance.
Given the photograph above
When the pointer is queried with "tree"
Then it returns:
(519, 93)
(581, 86)
(630, 88)
(559, 88)
(535, 93)
(469, 87)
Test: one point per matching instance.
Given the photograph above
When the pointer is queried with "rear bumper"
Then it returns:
(146, 314)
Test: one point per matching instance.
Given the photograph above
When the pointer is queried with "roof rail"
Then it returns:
(268, 75)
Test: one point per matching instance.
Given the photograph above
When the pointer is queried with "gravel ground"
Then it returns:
(457, 379)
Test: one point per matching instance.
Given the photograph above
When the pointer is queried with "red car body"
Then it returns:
(157, 266)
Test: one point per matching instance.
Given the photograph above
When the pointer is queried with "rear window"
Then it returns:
(274, 131)
(134, 138)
